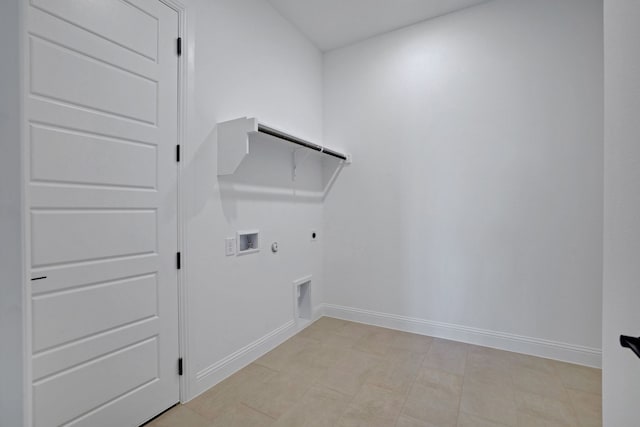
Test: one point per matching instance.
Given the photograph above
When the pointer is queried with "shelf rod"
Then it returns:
(278, 134)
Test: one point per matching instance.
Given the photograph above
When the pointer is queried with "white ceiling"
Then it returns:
(335, 23)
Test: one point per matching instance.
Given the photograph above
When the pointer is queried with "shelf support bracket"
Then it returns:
(298, 161)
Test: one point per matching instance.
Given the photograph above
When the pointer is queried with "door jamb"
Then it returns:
(183, 330)
(27, 374)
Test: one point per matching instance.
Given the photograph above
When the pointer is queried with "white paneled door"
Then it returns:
(102, 125)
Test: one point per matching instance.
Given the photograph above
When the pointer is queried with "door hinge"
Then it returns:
(179, 46)
(177, 153)
(178, 261)
(180, 366)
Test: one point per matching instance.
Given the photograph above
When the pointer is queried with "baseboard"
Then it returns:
(504, 341)
(217, 372)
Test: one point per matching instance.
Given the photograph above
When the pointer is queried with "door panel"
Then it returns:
(66, 235)
(92, 347)
(129, 368)
(136, 28)
(55, 316)
(102, 112)
(106, 161)
(71, 77)
(48, 27)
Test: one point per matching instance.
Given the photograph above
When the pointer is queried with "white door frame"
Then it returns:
(184, 383)
(183, 299)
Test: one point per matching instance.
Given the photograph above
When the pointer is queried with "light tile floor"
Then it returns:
(344, 374)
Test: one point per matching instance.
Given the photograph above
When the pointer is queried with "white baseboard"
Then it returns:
(215, 373)
(504, 341)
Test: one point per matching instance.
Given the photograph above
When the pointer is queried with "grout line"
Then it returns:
(258, 410)
(415, 378)
(464, 376)
(346, 407)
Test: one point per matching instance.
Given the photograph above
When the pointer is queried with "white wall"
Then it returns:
(11, 267)
(475, 197)
(246, 60)
(621, 293)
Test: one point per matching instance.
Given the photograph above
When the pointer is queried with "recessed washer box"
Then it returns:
(248, 241)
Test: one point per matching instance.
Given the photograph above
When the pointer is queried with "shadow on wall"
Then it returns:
(273, 171)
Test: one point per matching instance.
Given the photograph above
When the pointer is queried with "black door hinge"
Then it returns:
(178, 261)
(180, 366)
(177, 153)
(179, 46)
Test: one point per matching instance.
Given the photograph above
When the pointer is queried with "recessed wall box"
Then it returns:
(302, 301)
(248, 241)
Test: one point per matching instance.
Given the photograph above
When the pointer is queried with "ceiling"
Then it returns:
(335, 23)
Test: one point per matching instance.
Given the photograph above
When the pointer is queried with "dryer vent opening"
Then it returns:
(302, 298)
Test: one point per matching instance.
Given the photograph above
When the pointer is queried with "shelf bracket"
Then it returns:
(233, 143)
(298, 161)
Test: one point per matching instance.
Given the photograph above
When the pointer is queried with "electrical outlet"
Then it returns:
(230, 246)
